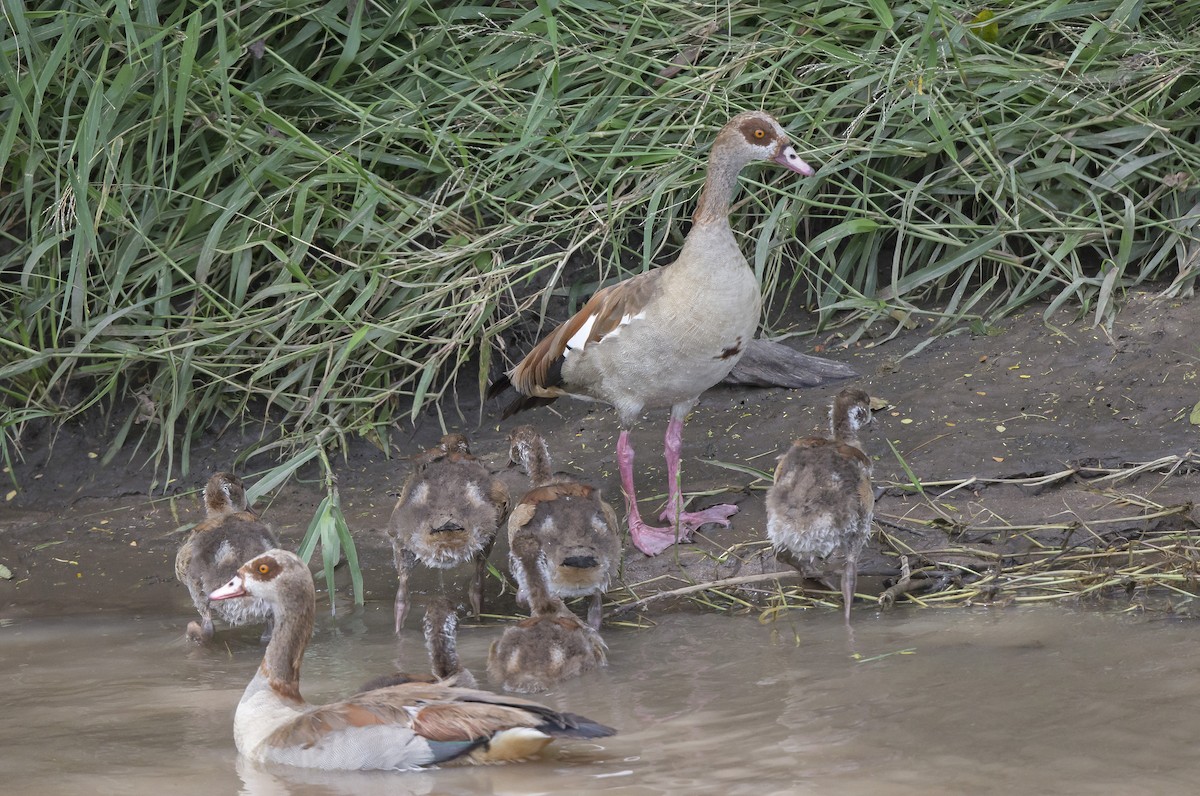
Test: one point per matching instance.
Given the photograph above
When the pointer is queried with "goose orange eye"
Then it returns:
(264, 568)
(759, 133)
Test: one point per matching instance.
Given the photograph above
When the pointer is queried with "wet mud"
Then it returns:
(1028, 399)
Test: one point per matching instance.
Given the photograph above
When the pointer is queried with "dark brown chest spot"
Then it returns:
(731, 351)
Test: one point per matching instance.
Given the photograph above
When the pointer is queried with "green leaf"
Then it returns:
(1194, 418)
(313, 535)
(427, 374)
(880, 7)
(853, 226)
(279, 474)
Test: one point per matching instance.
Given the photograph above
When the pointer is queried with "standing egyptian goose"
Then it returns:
(663, 337)
(448, 513)
(400, 727)
(230, 534)
(577, 531)
(550, 646)
(821, 503)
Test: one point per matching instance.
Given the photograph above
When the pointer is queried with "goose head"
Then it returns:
(224, 494)
(755, 135)
(277, 577)
(527, 449)
(851, 413)
(449, 446)
(454, 443)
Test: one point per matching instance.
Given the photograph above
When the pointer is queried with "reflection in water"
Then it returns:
(936, 702)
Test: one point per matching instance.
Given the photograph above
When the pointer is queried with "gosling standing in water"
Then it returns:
(579, 533)
(821, 504)
(448, 514)
(550, 646)
(441, 640)
(230, 534)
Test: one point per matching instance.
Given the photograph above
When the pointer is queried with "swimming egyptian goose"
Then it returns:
(663, 337)
(447, 514)
(230, 533)
(550, 646)
(400, 727)
(821, 503)
(577, 531)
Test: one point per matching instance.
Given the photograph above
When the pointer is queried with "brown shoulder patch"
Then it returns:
(363, 711)
(568, 622)
(556, 491)
(498, 495)
(610, 516)
(851, 452)
(520, 517)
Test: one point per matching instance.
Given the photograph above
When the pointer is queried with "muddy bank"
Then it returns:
(1028, 400)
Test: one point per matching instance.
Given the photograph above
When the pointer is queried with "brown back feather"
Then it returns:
(549, 492)
(539, 373)
(812, 443)
(451, 721)
(359, 711)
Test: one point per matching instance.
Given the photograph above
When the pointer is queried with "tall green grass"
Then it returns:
(324, 215)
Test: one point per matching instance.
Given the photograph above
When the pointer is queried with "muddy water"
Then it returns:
(922, 702)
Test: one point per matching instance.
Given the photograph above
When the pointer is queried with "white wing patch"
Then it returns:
(580, 338)
(625, 321)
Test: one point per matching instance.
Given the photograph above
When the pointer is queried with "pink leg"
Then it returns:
(688, 521)
(648, 539)
(849, 580)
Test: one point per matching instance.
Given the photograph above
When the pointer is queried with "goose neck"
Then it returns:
(535, 458)
(443, 651)
(720, 183)
(845, 432)
(541, 601)
(285, 651)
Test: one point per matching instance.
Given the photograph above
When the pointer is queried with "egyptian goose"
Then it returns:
(400, 727)
(230, 533)
(448, 513)
(821, 503)
(578, 531)
(550, 646)
(661, 338)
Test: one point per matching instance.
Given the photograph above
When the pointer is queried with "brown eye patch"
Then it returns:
(265, 568)
(755, 133)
